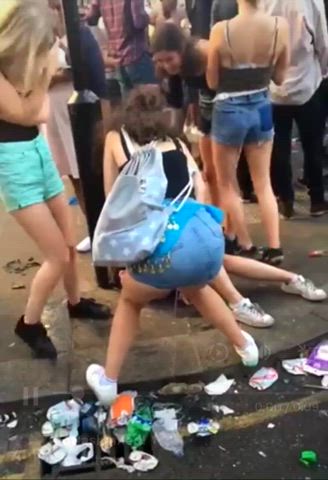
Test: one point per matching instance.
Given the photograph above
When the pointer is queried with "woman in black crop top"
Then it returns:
(178, 56)
(193, 259)
(30, 186)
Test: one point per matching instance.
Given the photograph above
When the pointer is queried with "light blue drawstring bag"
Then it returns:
(134, 217)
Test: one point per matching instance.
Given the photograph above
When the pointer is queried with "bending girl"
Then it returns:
(196, 248)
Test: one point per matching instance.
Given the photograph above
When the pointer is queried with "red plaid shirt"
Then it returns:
(126, 22)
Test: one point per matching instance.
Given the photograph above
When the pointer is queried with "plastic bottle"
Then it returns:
(168, 437)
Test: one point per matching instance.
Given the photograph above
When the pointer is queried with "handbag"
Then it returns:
(135, 216)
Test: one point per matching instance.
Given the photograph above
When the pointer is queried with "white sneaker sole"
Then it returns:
(302, 295)
(253, 324)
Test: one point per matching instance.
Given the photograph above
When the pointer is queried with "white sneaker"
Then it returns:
(249, 354)
(106, 394)
(84, 246)
(251, 314)
(305, 288)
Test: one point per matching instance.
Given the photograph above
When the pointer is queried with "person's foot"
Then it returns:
(305, 288)
(286, 209)
(84, 246)
(231, 246)
(249, 197)
(249, 354)
(319, 209)
(252, 252)
(104, 388)
(272, 256)
(302, 182)
(89, 308)
(251, 314)
(37, 339)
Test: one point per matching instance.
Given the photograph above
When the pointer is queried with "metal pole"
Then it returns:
(85, 114)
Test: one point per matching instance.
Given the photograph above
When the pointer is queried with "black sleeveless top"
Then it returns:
(10, 132)
(175, 168)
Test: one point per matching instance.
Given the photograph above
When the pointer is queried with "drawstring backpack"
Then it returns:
(134, 217)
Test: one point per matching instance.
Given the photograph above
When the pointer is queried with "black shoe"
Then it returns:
(252, 252)
(286, 209)
(319, 209)
(89, 308)
(302, 182)
(249, 197)
(272, 256)
(37, 339)
(231, 246)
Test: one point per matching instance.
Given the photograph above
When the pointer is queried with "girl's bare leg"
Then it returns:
(61, 213)
(226, 159)
(125, 326)
(213, 309)
(40, 225)
(252, 269)
(259, 160)
(225, 288)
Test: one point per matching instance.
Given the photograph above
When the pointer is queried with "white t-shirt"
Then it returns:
(309, 48)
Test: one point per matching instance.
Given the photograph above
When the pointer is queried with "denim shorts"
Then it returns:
(28, 174)
(195, 260)
(243, 120)
(140, 72)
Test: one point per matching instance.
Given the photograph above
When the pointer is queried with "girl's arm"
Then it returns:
(283, 60)
(110, 167)
(17, 109)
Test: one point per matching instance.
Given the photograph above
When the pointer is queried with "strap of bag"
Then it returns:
(184, 195)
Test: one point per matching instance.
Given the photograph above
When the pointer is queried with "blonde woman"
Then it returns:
(245, 53)
(30, 186)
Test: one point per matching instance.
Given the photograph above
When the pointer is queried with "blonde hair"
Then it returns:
(26, 38)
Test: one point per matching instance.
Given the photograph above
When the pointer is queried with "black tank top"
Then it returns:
(175, 168)
(10, 132)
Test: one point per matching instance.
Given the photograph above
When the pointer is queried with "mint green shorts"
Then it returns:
(28, 174)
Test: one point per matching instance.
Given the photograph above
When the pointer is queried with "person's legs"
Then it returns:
(134, 296)
(254, 270)
(61, 214)
(141, 72)
(125, 326)
(213, 309)
(308, 121)
(259, 159)
(281, 169)
(78, 307)
(226, 160)
(39, 224)
(210, 173)
(291, 282)
(244, 178)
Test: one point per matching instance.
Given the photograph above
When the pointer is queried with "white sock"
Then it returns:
(238, 304)
(107, 382)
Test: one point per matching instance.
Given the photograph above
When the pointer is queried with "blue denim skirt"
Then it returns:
(195, 259)
(243, 120)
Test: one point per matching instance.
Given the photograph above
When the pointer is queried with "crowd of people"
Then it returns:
(241, 71)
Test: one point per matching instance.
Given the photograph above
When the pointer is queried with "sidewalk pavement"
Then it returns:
(171, 344)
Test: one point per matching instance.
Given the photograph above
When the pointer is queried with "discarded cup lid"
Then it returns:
(143, 462)
(51, 453)
(47, 429)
